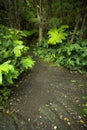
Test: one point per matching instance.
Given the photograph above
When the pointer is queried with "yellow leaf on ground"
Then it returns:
(66, 119)
(81, 121)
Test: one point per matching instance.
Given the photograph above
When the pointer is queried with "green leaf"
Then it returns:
(17, 50)
(8, 71)
(27, 62)
(85, 110)
(5, 66)
(57, 35)
(29, 33)
(84, 54)
(18, 42)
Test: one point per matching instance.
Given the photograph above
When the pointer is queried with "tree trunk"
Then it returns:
(61, 5)
(75, 29)
(40, 33)
(39, 16)
(84, 20)
(17, 19)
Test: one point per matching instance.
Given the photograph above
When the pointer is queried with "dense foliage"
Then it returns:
(13, 58)
(72, 56)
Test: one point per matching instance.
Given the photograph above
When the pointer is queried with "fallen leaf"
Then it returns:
(81, 121)
(29, 119)
(66, 119)
(69, 123)
(79, 117)
(73, 81)
(55, 127)
(61, 116)
(77, 101)
(7, 111)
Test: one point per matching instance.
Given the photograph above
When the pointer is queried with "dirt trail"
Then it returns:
(50, 98)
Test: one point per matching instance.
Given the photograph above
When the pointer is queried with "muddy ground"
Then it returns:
(49, 98)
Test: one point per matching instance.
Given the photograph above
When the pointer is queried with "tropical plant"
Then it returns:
(13, 57)
(7, 72)
(72, 56)
(56, 36)
(4, 95)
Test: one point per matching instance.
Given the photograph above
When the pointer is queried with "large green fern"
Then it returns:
(57, 35)
(27, 62)
(7, 69)
(13, 55)
(17, 50)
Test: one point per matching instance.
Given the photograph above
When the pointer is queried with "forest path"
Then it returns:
(49, 98)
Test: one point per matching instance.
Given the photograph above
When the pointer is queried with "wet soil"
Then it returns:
(49, 98)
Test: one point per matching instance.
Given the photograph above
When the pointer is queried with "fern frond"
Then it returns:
(27, 62)
(57, 35)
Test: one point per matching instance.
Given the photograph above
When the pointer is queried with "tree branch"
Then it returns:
(75, 29)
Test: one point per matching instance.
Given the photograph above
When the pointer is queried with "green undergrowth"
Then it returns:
(57, 49)
(73, 57)
(14, 59)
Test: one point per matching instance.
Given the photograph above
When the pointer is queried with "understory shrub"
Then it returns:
(56, 36)
(13, 58)
(61, 52)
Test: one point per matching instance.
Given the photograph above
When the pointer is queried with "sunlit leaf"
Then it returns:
(17, 50)
(18, 42)
(27, 62)
(57, 35)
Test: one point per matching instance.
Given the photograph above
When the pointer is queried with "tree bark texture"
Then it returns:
(84, 20)
(75, 29)
(39, 17)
